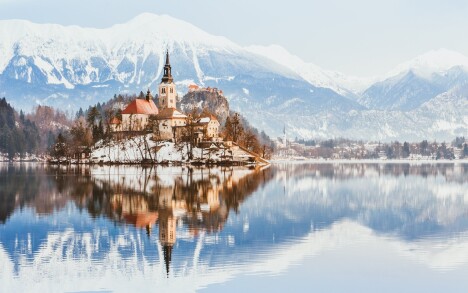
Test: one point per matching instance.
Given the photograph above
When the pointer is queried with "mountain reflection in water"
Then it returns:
(103, 228)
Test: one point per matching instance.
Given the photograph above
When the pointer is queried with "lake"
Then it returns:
(302, 227)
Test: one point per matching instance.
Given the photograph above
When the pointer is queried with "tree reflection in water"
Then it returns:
(166, 197)
(391, 199)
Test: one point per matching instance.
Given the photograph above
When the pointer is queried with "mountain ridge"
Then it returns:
(69, 66)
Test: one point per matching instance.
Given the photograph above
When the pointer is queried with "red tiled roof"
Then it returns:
(170, 113)
(141, 220)
(115, 120)
(211, 116)
(140, 106)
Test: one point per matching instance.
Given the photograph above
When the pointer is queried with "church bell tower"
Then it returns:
(167, 89)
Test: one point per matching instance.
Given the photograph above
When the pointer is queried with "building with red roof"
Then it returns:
(193, 88)
(170, 121)
(135, 117)
(115, 124)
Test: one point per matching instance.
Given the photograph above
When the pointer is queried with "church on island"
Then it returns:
(165, 120)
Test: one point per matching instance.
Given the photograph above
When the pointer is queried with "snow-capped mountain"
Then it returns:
(340, 83)
(69, 67)
(62, 65)
(433, 62)
(417, 81)
(129, 54)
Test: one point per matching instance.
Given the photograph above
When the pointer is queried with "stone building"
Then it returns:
(207, 126)
(169, 118)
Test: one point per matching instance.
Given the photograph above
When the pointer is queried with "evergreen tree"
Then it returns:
(80, 113)
(328, 144)
(7, 114)
(389, 152)
(21, 116)
(50, 139)
(60, 147)
(458, 142)
(93, 116)
(80, 135)
(406, 150)
(118, 114)
(424, 148)
(17, 137)
(444, 153)
(100, 130)
(237, 128)
(228, 130)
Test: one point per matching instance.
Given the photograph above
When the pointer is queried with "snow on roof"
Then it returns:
(204, 120)
(141, 106)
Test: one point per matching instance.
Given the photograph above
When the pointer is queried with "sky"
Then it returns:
(356, 37)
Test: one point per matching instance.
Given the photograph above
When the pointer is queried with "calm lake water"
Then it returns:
(296, 227)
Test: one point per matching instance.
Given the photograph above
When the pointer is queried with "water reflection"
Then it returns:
(131, 225)
(197, 199)
(413, 201)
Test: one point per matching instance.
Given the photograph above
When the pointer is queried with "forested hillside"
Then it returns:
(19, 135)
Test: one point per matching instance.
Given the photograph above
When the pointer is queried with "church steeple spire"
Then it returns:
(149, 97)
(167, 88)
(167, 77)
(167, 58)
(167, 251)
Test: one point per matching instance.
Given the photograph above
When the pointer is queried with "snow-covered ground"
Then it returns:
(142, 148)
(25, 158)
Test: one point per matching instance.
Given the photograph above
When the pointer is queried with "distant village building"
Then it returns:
(195, 88)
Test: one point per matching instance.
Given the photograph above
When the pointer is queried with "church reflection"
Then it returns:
(159, 200)
(198, 199)
(174, 206)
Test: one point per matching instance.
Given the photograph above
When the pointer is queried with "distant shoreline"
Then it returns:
(273, 161)
(369, 161)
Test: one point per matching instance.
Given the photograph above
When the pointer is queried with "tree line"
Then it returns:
(93, 124)
(19, 135)
(347, 149)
